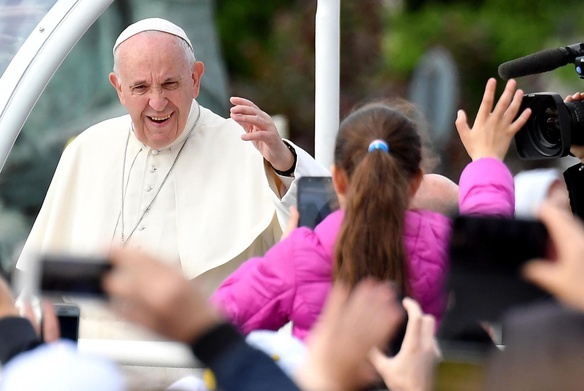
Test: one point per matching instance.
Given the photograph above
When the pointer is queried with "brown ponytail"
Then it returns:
(371, 239)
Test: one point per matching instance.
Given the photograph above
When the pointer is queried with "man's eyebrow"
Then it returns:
(138, 83)
(172, 79)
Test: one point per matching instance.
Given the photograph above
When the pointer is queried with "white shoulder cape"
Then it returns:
(224, 201)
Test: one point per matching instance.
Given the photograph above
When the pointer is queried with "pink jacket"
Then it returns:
(291, 282)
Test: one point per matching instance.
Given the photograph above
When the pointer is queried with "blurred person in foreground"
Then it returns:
(48, 363)
(146, 290)
(355, 325)
(343, 353)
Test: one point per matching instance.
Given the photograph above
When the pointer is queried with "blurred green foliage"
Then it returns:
(480, 35)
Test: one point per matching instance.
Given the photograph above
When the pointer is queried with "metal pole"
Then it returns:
(327, 79)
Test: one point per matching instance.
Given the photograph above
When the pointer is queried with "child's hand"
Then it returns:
(493, 129)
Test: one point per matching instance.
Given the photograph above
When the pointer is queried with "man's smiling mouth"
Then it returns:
(160, 119)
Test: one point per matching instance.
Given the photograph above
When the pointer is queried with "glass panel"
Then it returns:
(18, 18)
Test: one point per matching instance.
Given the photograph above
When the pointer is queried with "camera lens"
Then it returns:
(547, 128)
(544, 128)
(553, 126)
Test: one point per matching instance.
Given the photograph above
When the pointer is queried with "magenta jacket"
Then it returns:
(291, 282)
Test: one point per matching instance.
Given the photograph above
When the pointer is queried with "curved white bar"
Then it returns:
(37, 60)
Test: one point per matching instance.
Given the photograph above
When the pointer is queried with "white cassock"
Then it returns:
(218, 207)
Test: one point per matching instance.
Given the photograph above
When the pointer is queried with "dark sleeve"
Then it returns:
(16, 336)
(574, 178)
(236, 365)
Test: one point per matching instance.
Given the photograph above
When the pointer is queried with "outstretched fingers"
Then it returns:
(249, 115)
(487, 102)
(494, 127)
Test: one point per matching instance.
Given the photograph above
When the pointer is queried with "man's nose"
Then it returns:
(158, 99)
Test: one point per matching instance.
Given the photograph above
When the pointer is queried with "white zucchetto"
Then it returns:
(151, 24)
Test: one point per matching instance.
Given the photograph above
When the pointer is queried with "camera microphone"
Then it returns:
(543, 61)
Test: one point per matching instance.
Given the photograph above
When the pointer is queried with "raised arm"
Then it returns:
(486, 184)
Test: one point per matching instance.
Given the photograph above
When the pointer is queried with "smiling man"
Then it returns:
(173, 178)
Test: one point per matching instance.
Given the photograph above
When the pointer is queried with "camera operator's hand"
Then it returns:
(576, 150)
(493, 129)
(575, 97)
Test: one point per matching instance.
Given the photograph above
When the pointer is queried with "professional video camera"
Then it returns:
(554, 125)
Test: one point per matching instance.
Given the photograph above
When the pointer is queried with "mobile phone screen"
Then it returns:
(68, 316)
(316, 200)
(69, 326)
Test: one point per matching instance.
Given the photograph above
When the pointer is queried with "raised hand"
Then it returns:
(493, 128)
(351, 324)
(412, 368)
(261, 131)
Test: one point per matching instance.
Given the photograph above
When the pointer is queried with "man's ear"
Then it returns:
(198, 70)
(115, 82)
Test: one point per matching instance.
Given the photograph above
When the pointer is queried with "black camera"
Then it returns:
(554, 126)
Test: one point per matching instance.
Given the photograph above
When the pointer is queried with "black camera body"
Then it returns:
(553, 127)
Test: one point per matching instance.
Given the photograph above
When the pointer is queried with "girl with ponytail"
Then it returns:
(377, 170)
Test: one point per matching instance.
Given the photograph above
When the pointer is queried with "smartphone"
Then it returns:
(316, 200)
(71, 275)
(484, 278)
(68, 315)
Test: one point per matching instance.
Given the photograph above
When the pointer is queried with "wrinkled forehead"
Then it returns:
(152, 57)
